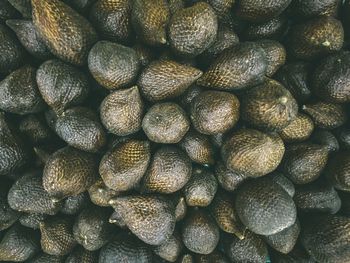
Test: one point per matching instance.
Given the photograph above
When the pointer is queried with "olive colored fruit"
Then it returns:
(338, 170)
(223, 211)
(187, 97)
(80, 6)
(326, 115)
(61, 85)
(12, 151)
(327, 239)
(298, 129)
(285, 240)
(264, 206)
(19, 244)
(150, 19)
(166, 79)
(7, 11)
(72, 205)
(165, 123)
(169, 170)
(122, 167)
(23, 6)
(316, 37)
(284, 182)
(67, 34)
(201, 188)
(34, 128)
(92, 229)
(112, 65)
(193, 29)
(304, 162)
(57, 236)
(69, 172)
(111, 18)
(269, 106)
(100, 194)
(12, 53)
(275, 54)
(325, 138)
(28, 195)
(29, 38)
(228, 179)
(312, 8)
(32, 220)
(317, 197)
(214, 112)
(252, 152)
(180, 208)
(223, 10)
(80, 128)
(8, 216)
(80, 254)
(250, 249)
(295, 77)
(19, 92)
(235, 68)
(122, 110)
(171, 249)
(125, 248)
(175, 5)
(297, 255)
(330, 78)
(200, 234)
(271, 29)
(343, 137)
(151, 218)
(216, 257)
(198, 147)
(46, 258)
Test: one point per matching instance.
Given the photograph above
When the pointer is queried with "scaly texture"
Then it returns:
(100, 194)
(326, 138)
(8, 216)
(81, 255)
(228, 179)
(32, 220)
(275, 53)
(72, 205)
(46, 258)
(338, 171)
(23, 6)
(298, 129)
(34, 128)
(171, 249)
(271, 29)
(312, 8)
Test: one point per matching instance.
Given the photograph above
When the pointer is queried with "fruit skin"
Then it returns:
(338, 170)
(80, 254)
(275, 54)
(271, 29)
(311, 8)
(23, 6)
(32, 220)
(100, 194)
(264, 206)
(69, 41)
(113, 65)
(193, 29)
(239, 67)
(74, 204)
(252, 152)
(325, 138)
(298, 129)
(8, 216)
(228, 179)
(171, 249)
(46, 258)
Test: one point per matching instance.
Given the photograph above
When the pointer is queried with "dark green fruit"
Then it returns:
(193, 29)
(8, 216)
(68, 35)
(32, 220)
(61, 85)
(312, 8)
(327, 239)
(100, 194)
(28, 195)
(304, 162)
(121, 111)
(19, 244)
(284, 182)
(228, 179)
(80, 128)
(151, 218)
(69, 172)
(23, 6)
(123, 166)
(7, 11)
(275, 54)
(214, 112)
(125, 248)
(165, 123)
(149, 19)
(271, 29)
(72, 205)
(166, 79)
(19, 92)
(57, 236)
(252, 152)
(316, 37)
(113, 66)
(330, 79)
(169, 170)
(298, 129)
(46, 258)
(264, 206)
(81, 255)
(112, 20)
(186, 258)
(338, 170)
(29, 38)
(238, 67)
(200, 234)
(325, 138)
(92, 229)
(269, 106)
(34, 128)
(171, 249)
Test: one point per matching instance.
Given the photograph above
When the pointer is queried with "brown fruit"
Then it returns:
(311, 8)
(275, 54)
(271, 29)
(228, 179)
(100, 194)
(298, 129)
(81, 255)
(338, 170)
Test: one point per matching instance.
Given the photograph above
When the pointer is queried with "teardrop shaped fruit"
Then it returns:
(68, 35)
(275, 54)
(338, 170)
(304, 162)
(239, 67)
(81, 255)
(61, 85)
(166, 79)
(112, 65)
(121, 111)
(253, 152)
(69, 172)
(100, 194)
(269, 106)
(19, 92)
(228, 179)
(150, 218)
(171, 249)
(193, 29)
(123, 166)
(298, 129)
(264, 206)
